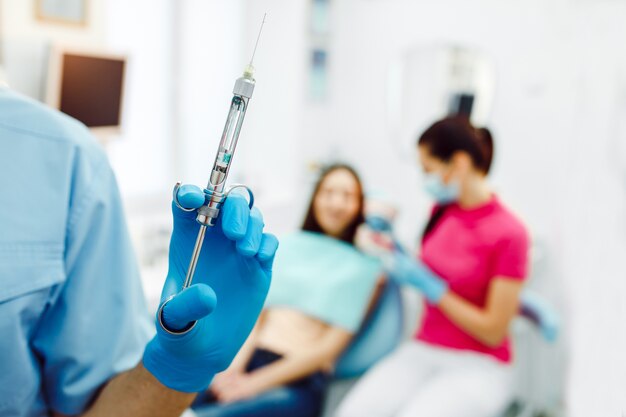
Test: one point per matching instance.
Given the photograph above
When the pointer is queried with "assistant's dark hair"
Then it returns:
(456, 134)
(451, 135)
(311, 224)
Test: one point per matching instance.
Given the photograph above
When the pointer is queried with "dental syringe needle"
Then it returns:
(257, 39)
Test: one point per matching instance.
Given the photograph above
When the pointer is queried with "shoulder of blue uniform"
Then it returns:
(25, 116)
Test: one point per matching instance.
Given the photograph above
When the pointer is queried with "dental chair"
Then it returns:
(381, 333)
(536, 331)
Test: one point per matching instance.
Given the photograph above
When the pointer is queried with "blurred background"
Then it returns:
(356, 81)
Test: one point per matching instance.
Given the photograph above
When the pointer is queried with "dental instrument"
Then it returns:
(214, 191)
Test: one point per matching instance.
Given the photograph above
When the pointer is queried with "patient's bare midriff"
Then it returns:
(286, 330)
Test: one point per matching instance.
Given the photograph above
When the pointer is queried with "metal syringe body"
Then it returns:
(242, 92)
(208, 213)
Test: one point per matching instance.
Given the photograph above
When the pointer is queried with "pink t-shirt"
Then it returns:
(468, 249)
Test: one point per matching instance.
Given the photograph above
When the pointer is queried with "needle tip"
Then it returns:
(257, 39)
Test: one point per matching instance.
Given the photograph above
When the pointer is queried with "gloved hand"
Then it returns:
(408, 271)
(231, 282)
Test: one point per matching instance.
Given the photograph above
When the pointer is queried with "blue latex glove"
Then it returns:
(231, 282)
(408, 271)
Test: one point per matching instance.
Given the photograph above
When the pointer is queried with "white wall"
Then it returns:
(143, 154)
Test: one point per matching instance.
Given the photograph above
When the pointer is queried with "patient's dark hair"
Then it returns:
(451, 135)
(310, 223)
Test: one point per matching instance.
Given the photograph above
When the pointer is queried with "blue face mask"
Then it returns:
(442, 193)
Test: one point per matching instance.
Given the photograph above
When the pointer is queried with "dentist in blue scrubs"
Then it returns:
(75, 339)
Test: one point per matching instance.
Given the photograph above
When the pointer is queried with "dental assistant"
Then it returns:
(472, 265)
(75, 335)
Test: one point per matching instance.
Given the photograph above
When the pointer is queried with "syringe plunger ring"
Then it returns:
(207, 214)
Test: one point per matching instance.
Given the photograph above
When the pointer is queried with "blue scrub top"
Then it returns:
(72, 312)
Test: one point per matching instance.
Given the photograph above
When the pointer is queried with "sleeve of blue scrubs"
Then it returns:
(98, 325)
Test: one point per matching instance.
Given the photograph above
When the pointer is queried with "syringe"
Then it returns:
(215, 195)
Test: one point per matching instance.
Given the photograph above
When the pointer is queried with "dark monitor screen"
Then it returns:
(91, 89)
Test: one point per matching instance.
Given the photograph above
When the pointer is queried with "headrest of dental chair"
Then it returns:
(379, 335)
(542, 314)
